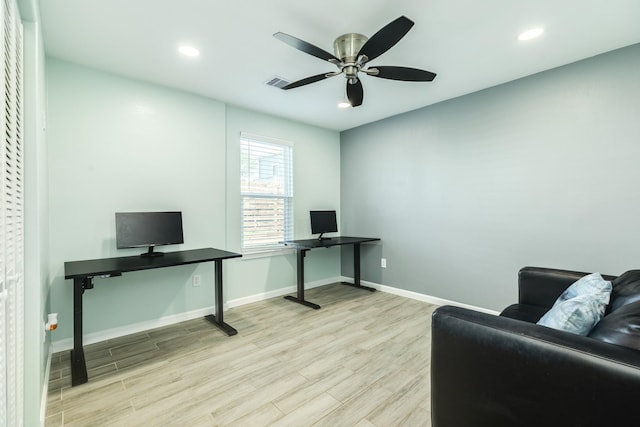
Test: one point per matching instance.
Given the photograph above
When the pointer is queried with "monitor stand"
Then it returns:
(151, 253)
(323, 238)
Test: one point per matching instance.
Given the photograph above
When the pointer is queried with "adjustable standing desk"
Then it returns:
(83, 272)
(302, 246)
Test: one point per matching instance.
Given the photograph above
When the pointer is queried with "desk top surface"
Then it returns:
(118, 265)
(327, 243)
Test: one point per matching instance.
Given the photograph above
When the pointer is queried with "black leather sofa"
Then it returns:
(505, 370)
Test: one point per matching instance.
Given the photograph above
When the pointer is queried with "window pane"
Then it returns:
(265, 168)
(264, 221)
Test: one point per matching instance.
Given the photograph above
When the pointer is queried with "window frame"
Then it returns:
(261, 195)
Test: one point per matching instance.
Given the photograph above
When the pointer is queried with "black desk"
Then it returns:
(302, 246)
(83, 272)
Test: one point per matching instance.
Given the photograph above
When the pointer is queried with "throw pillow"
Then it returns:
(622, 327)
(580, 307)
(592, 283)
(577, 315)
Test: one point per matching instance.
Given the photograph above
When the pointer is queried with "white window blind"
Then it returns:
(11, 220)
(266, 186)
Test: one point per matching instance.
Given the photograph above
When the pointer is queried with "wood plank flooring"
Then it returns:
(362, 360)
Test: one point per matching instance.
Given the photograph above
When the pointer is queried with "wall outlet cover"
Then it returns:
(196, 280)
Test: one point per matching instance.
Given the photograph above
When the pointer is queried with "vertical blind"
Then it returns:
(11, 221)
(266, 186)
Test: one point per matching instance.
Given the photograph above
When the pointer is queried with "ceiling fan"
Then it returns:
(353, 51)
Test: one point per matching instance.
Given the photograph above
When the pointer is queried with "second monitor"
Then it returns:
(323, 222)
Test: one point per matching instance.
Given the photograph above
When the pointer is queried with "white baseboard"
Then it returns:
(425, 298)
(67, 344)
(282, 291)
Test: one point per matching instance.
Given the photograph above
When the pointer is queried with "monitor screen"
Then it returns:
(148, 229)
(323, 222)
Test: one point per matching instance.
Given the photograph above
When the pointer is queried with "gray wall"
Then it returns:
(541, 171)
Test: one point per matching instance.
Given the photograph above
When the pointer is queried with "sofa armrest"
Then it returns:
(495, 371)
(542, 286)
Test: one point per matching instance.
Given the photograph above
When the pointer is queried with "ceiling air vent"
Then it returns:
(278, 82)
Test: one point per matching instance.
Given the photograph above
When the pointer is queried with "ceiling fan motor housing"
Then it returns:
(347, 46)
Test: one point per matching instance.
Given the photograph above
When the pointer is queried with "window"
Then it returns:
(266, 186)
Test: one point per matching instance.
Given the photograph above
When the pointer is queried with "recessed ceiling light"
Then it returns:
(188, 51)
(344, 105)
(530, 34)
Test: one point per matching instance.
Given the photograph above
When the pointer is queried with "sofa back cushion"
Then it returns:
(622, 327)
(626, 290)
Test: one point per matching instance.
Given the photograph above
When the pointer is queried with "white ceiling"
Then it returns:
(470, 44)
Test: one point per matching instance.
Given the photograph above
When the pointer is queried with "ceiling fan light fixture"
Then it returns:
(531, 34)
(189, 51)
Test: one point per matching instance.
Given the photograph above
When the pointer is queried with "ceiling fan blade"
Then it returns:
(355, 93)
(386, 38)
(307, 81)
(403, 73)
(305, 47)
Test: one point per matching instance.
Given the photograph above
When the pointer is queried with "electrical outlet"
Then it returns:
(383, 262)
(195, 280)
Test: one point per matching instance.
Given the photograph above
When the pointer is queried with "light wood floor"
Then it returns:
(362, 360)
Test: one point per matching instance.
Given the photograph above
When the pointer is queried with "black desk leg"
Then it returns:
(356, 270)
(300, 254)
(78, 364)
(218, 318)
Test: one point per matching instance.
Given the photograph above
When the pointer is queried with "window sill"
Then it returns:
(267, 253)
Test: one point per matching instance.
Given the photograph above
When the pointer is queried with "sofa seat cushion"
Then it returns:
(622, 327)
(527, 313)
(626, 290)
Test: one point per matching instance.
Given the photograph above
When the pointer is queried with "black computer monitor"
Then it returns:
(148, 229)
(323, 222)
